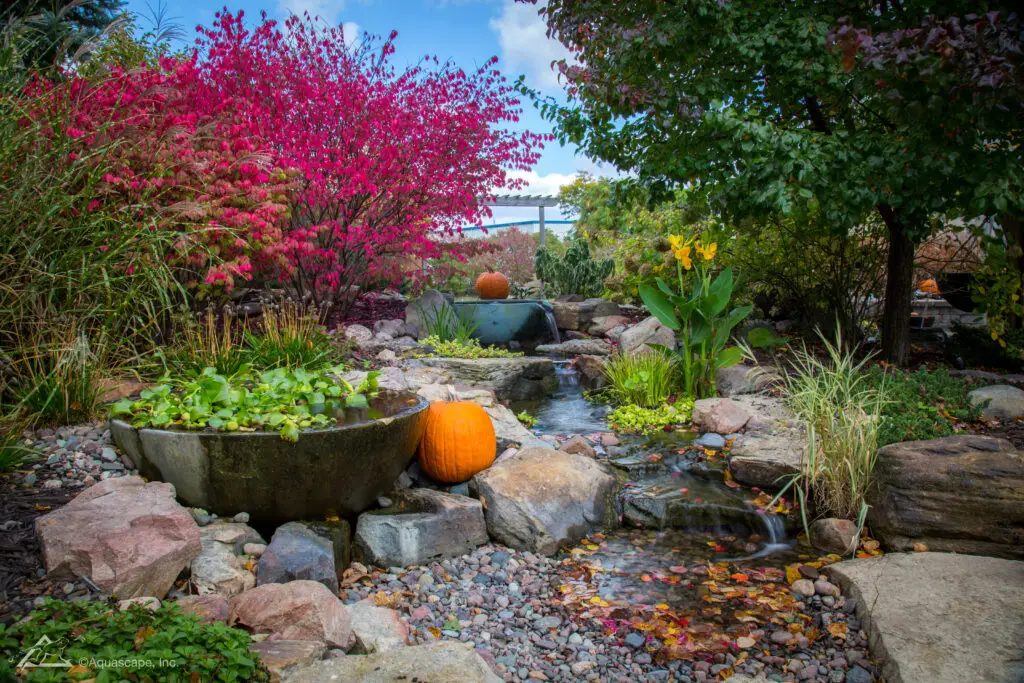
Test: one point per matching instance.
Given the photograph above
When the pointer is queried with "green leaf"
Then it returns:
(659, 306)
(718, 294)
(356, 401)
(728, 357)
(763, 338)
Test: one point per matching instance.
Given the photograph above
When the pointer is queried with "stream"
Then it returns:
(678, 507)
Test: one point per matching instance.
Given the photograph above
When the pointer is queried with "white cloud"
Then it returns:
(541, 184)
(327, 10)
(522, 35)
(353, 33)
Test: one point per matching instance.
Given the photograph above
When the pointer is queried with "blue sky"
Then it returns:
(466, 31)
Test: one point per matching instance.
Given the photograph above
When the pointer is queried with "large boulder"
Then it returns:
(421, 526)
(649, 331)
(507, 427)
(578, 315)
(220, 566)
(209, 609)
(773, 446)
(298, 610)
(720, 415)
(1004, 402)
(539, 500)
(303, 551)
(962, 494)
(576, 347)
(511, 379)
(421, 313)
(766, 460)
(939, 617)
(129, 537)
(437, 662)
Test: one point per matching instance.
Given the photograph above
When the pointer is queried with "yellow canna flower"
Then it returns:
(709, 251)
(683, 254)
(676, 242)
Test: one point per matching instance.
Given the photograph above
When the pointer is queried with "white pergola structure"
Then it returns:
(540, 201)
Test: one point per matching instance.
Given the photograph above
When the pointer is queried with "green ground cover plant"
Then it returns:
(470, 348)
(923, 404)
(633, 418)
(90, 633)
(282, 400)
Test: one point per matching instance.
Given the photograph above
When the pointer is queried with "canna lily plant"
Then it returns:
(698, 311)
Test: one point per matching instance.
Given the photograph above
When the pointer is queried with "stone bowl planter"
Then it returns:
(336, 471)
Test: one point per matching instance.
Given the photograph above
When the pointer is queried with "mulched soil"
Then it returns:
(1014, 431)
(365, 311)
(20, 558)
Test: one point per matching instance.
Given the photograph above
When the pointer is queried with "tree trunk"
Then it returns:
(899, 287)
(1015, 246)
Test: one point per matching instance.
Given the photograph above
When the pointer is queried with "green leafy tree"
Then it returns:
(822, 111)
(55, 29)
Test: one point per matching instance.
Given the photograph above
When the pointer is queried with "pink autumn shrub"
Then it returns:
(388, 159)
(177, 157)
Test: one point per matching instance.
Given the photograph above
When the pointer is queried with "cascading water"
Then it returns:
(549, 316)
(566, 411)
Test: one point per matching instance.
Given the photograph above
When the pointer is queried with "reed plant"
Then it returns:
(646, 378)
(55, 374)
(209, 342)
(445, 325)
(840, 407)
(291, 337)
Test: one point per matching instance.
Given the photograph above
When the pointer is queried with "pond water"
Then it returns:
(385, 404)
(677, 496)
(566, 411)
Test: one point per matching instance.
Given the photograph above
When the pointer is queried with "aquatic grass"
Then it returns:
(209, 342)
(471, 349)
(291, 337)
(645, 378)
(840, 407)
(447, 326)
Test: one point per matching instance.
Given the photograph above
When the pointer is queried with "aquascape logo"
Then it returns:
(47, 653)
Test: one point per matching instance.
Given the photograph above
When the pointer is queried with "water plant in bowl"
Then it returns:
(282, 445)
(281, 400)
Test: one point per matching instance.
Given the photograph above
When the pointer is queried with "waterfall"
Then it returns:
(567, 376)
(549, 315)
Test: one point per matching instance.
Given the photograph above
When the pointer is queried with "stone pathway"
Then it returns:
(940, 617)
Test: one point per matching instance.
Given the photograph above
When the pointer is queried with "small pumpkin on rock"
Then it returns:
(492, 285)
(458, 441)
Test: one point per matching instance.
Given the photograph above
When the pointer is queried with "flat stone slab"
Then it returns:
(511, 379)
(439, 662)
(940, 617)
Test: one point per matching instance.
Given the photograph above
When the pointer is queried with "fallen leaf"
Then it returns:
(837, 629)
(434, 631)
(42, 508)
(729, 481)
(142, 634)
(793, 573)
(920, 548)
(743, 642)
(740, 578)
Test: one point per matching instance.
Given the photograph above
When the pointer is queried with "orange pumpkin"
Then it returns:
(458, 441)
(929, 286)
(492, 285)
